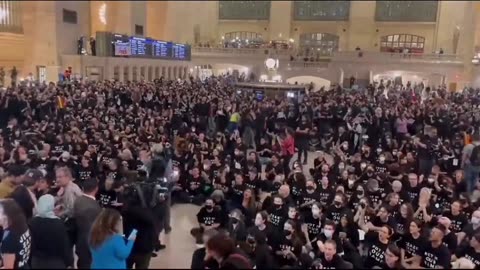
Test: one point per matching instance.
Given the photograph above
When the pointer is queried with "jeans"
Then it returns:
(471, 177)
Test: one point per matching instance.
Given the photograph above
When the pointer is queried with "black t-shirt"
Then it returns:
(458, 222)
(334, 213)
(413, 247)
(106, 197)
(314, 226)
(433, 257)
(309, 197)
(470, 254)
(208, 218)
(20, 245)
(376, 252)
(277, 217)
(286, 244)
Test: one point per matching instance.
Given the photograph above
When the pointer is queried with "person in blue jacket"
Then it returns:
(107, 243)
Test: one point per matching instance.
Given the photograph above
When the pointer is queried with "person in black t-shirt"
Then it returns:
(16, 243)
(208, 218)
(106, 196)
(412, 243)
(301, 139)
(330, 258)
(470, 252)
(377, 243)
(435, 254)
(288, 248)
(457, 218)
(329, 233)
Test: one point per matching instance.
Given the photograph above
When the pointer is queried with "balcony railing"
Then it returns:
(402, 57)
(200, 51)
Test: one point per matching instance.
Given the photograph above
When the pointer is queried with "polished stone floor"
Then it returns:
(180, 244)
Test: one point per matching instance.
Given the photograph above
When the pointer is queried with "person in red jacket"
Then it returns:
(288, 149)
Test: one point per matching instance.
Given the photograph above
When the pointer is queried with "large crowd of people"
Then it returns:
(95, 166)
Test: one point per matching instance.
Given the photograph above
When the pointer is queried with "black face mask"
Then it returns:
(310, 188)
(337, 204)
(287, 232)
(251, 240)
(209, 207)
(234, 220)
(278, 206)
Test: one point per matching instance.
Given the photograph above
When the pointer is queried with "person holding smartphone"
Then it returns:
(107, 244)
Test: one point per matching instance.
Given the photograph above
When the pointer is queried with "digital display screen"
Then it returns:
(160, 49)
(138, 47)
(149, 48)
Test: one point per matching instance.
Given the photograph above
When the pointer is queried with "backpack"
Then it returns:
(475, 156)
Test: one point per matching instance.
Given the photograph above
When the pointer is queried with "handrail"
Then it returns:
(348, 55)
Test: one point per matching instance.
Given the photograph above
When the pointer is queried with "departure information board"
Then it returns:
(150, 48)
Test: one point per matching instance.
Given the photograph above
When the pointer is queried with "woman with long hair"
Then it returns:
(412, 243)
(249, 206)
(107, 243)
(16, 243)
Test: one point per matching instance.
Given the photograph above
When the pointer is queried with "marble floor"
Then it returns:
(180, 244)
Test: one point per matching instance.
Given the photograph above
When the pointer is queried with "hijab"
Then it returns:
(45, 207)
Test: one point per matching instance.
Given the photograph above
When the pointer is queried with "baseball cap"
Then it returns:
(33, 175)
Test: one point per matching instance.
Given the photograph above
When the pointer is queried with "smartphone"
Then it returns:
(133, 233)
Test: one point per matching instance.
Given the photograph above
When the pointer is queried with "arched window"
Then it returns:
(406, 11)
(398, 42)
(244, 10)
(318, 44)
(11, 17)
(321, 10)
(241, 39)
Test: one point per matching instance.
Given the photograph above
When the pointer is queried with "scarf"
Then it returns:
(45, 207)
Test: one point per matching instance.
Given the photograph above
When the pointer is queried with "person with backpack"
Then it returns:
(471, 162)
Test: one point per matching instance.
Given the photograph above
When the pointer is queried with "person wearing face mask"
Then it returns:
(257, 249)
(359, 193)
(368, 174)
(335, 211)
(236, 226)
(288, 248)
(278, 213)
(309, 197)
(373, 192)
(472, 228)
(208, 218)
(329, 233)
(381, 166)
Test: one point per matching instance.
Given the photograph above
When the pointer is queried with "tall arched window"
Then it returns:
(318, 44)
(321, 10)
(406, 11)
(398, 42)
(244, 10)
(11, 17)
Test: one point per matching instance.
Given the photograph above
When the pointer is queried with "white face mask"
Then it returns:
(363, 166)
(328, 233)
(258, 222)
(315, 212)
(351, 182)
(431, 180)
(382, 159)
